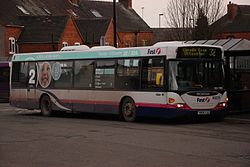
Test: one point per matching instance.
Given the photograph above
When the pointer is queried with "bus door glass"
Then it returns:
(32, 81)
(153, 73)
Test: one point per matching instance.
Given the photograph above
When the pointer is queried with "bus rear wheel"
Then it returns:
(128, 110)
(46, 106)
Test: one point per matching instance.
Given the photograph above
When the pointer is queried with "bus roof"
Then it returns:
(159, 49)
(75, 48)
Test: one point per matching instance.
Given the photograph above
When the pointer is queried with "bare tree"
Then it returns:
(183, 14)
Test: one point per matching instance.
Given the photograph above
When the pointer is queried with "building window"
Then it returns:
(64, 44)
(74, 3)
(24, 11)
(127, 44)
(95, 13)
(12, 45)
(144, 42)
(77, 44)
(47, 11)
(73, 13)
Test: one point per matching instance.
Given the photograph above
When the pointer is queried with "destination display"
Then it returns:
(199, 52)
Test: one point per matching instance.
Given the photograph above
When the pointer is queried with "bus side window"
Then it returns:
(104, 74)
(83, 73)
(66, 78)
(128, 74)
(20, 74)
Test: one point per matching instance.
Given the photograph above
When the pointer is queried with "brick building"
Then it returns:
(47, 33)
(47, 25)
(234, 24)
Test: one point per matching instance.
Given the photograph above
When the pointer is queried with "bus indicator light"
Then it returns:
(171, 100)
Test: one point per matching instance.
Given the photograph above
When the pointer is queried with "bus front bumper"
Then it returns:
(171, 113)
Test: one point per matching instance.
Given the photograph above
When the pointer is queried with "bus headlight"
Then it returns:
(179, 105)
(221, 105)
(182, 106)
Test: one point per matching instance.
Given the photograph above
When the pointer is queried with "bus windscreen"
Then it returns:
(190, 75)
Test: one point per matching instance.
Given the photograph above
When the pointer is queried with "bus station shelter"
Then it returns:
(237, 55)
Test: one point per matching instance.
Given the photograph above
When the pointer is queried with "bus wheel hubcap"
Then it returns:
(128, 110)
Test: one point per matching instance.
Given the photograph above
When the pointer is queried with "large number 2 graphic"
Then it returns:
(32, 75)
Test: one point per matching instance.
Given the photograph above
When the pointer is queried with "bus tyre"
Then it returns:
(46, 106)
(128, 110)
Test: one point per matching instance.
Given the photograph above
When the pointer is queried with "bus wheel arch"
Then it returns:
(127, 109)
(45, 105)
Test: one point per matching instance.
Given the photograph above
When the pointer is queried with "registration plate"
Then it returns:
(203, 113)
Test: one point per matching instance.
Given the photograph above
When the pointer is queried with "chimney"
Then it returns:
(232, 10)
(126, 3)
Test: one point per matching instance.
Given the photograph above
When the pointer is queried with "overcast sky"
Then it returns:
(152, 8)
(149, 10)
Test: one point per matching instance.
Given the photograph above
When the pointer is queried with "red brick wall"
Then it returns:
(109, 36)
(233, 35)
(29, 48)
(237, 35)
(126, 39)
(145, 38)
(11, 31)
(71, 34)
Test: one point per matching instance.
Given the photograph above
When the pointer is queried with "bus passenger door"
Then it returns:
(31, 88)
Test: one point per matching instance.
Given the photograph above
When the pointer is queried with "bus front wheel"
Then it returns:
(46, 106)
(128, 110)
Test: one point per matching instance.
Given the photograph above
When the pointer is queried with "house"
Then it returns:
(47, 33)
(234, 24)
(131, 29)
(48, 25)
(95, 30)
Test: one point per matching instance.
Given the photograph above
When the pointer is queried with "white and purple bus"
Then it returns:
(165, 80)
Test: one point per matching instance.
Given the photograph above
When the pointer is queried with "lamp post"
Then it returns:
(142, 8)
(160, 19)
(114, 23)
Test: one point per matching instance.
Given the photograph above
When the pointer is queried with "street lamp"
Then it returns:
(161, 14)
(114, 17)
(142, 8)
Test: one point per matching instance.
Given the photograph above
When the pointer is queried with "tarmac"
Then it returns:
(238, 117)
